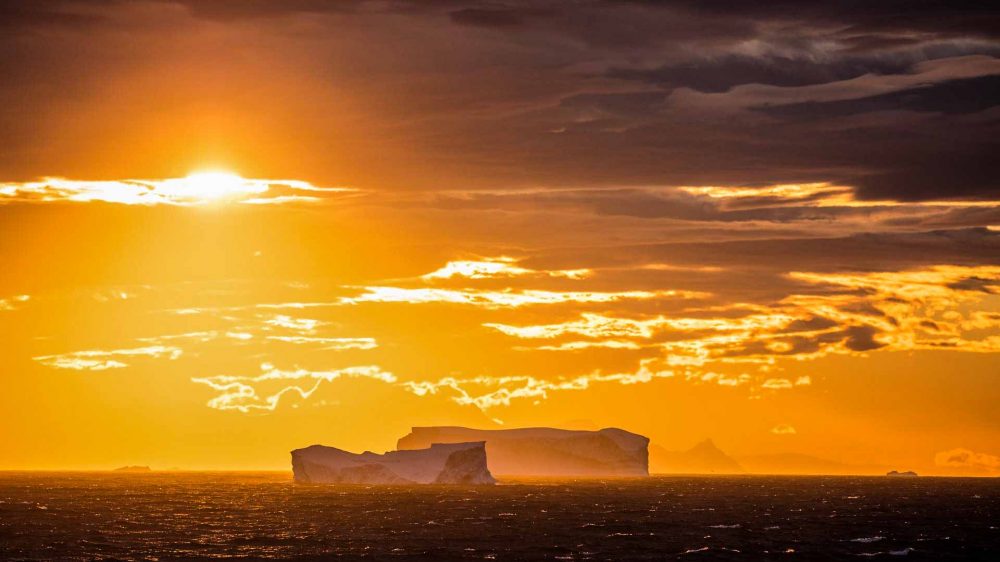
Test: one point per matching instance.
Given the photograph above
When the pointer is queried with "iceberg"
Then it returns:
(545, 451)
(133, 469)
(440, 463)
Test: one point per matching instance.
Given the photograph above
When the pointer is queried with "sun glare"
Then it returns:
(210, 186)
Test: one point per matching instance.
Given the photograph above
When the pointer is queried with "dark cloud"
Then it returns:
(628, 103)
(679, 205)
(811, 324)
(720, 75)
(226, 10)
(778, 254)
(940, 16)
(857, 18)
(936, 170)
(491, 17)
(17, 14)
(969, 95)
(862, 338)
(976, 284)
(593, 95)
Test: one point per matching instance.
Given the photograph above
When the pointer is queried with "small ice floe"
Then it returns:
(694, 550)
(867, 540)
(904, 552)
(733, 526)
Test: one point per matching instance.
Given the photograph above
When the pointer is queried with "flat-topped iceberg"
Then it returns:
(440, 463)
(545, 451)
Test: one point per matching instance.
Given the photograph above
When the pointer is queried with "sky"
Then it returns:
(233, 228)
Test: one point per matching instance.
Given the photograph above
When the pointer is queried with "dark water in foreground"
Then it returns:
(185, 516)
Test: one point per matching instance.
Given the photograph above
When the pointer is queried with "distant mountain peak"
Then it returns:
(703, 458)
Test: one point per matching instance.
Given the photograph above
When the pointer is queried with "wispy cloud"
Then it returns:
(304, 325)
(968, 460)
(489, 392)
(782, 384)
(263, 392)
(328, 343)
(498, 267)
(595, 325)
(196, 189)
(702, 343)
(506, 299)
(821, 194)
(783, 429)
(101, 360)
(13, 303)
(860, 312)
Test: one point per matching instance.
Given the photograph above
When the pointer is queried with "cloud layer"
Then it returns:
(594, 94)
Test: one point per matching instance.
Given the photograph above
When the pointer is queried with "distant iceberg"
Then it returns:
(452, 463)
(545, 451)
(908, 473)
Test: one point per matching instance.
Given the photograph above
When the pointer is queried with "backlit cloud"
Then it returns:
(486, 392)
(13, 303)
(499, 267)
(506, 299)
(196, 189)
(923, 309)
(264, 391)
(329, 343)
(101, 360)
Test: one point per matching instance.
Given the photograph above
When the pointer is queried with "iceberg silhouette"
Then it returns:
(546, 451)
(440, 463)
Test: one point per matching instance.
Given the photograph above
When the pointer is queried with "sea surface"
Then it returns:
(264, 516)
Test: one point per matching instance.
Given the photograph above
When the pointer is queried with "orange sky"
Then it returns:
(473, 218)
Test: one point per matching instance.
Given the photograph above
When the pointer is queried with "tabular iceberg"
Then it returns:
(440, 463)
(544, 451)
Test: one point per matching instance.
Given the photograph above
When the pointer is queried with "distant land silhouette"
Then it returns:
(707, 458)
(703, 458)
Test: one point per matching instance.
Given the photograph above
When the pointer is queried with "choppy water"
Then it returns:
(184, 516)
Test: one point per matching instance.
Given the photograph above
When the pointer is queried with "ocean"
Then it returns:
(265, 516)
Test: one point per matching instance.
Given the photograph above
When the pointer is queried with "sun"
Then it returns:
(211, 185)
